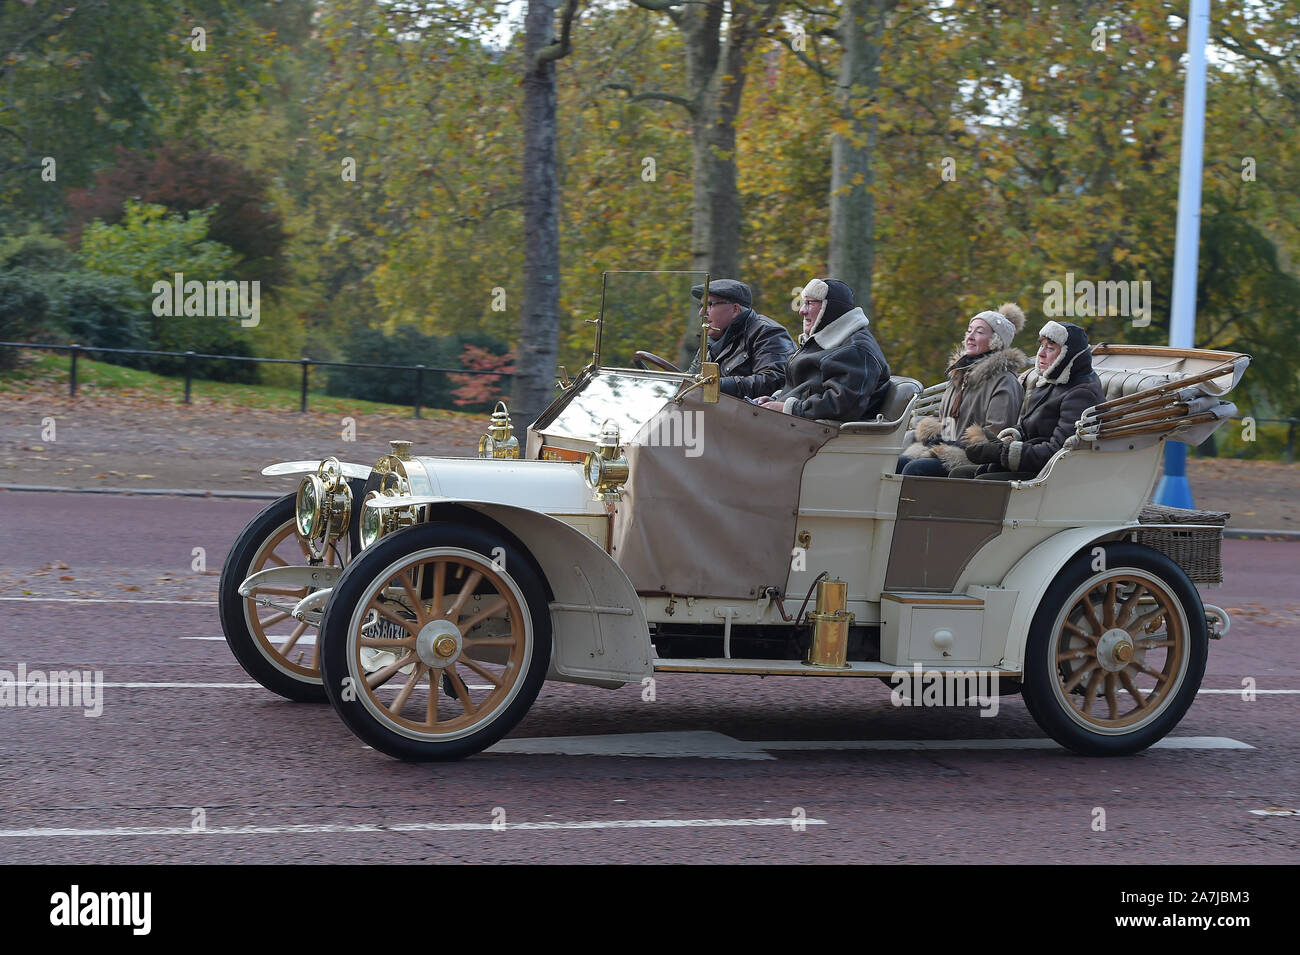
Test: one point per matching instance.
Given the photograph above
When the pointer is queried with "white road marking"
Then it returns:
(160, 686)
(307, 639)
(699, 745)
(1275, 812)
(1032, 743)
(109, 600)
(205, 686)
(1169, 742)
(786, 822)
(1241, 690)
(710, 745)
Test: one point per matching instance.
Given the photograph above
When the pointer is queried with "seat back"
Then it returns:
(898, 399)
(1117, 382)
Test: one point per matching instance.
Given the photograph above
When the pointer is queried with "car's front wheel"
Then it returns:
(431, 607)
(1116, 651)
(276, 650)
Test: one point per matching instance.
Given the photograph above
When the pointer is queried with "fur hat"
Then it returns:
(1075, 359)
(837, 296)
(1005, 322)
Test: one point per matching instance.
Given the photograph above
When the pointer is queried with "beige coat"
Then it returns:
(991, 396)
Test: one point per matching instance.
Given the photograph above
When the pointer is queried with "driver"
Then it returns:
(751, 349)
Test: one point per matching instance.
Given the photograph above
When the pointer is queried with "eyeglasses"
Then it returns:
(711, 304)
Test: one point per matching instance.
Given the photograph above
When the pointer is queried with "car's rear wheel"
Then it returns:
(434, 606)
(279, 652)
(1116, 651)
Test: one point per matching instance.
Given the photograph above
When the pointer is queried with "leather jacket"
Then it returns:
(752, 354)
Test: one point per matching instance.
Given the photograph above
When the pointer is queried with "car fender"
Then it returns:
(361, 471)
(1035, 571)
(598, 624)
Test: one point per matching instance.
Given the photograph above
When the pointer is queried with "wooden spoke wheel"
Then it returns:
(1116, 651)
(278, 651)
(436, 641)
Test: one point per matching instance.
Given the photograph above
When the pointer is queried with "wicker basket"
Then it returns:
(1196, 549)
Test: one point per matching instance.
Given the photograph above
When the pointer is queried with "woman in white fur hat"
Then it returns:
(983, 396)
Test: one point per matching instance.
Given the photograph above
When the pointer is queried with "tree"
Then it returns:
(539, 323)
(185, 179)
(718, 42)
(78, 79)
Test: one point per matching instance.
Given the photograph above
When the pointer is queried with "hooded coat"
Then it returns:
(1054, 401)
(983, 393)
(752, 355)
(839, 371)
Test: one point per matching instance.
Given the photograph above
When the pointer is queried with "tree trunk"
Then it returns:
(539, 323)
(852, 247)
(715, 82)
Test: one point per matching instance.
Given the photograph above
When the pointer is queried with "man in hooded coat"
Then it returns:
(839, 371)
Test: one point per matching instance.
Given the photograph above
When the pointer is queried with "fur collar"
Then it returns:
(839, 331)
(993, 365)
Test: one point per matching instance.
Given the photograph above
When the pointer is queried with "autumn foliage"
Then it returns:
(473, 391)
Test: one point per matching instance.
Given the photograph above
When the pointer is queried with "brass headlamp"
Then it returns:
(376, 521)
(606, 468)
(323, 507)
(499, 442)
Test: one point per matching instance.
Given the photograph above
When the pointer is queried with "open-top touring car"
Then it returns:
(648, 525)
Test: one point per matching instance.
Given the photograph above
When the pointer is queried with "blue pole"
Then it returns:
(1173, 489)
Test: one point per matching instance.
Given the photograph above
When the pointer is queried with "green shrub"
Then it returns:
(25, 311)
(406, 346)
(102, 312)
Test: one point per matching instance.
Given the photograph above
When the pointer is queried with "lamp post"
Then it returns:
(1173, 489)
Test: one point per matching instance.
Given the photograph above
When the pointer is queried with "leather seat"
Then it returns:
(897, 398)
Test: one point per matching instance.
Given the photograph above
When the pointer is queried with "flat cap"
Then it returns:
(728, 289)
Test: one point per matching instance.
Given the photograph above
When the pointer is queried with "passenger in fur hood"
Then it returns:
(839, 371)
(983, 396)
(1058, 390)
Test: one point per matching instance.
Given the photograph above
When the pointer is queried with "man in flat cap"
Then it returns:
(751, 349)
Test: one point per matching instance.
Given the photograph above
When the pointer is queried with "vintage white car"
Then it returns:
(648, 525)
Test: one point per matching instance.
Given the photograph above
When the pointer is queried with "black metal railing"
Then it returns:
(75, 351)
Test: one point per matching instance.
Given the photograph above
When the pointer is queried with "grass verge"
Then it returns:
(49, 371)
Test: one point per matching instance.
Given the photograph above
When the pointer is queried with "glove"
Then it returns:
(986, 452)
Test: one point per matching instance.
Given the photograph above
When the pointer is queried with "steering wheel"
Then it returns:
(644, 358)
